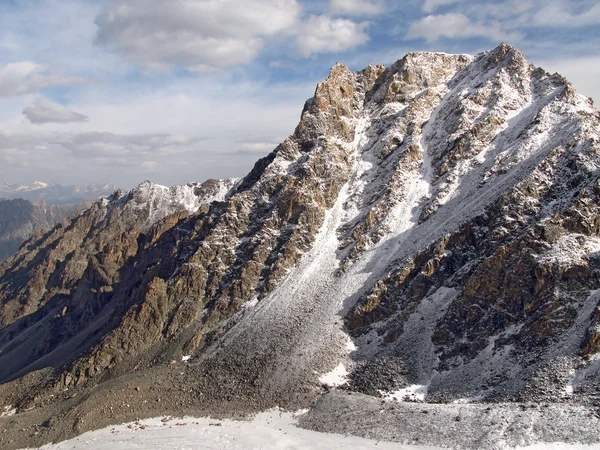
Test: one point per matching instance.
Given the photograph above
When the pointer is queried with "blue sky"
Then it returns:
(183, 90)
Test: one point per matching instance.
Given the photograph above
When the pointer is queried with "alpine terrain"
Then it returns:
(20, 218)
(427, 241)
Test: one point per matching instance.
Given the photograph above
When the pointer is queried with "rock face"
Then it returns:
(70, 300)
(19, 219)
(434, 223)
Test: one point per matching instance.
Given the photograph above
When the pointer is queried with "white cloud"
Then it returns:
(88, 154)
(44, 111)
(357, 7)
(122, 149)
(322, 34)
(197, 35)
(558, 14)
(525, 14)
(455, 25)
(25, 77)
(430, 6)
(193, 128)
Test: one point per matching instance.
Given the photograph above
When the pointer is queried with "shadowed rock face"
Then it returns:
(20, 219)
(446, 207)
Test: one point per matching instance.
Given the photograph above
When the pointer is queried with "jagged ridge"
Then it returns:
(431, 204)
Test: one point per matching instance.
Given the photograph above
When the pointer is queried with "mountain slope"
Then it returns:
(20, 218)
(84, 257)
(430, 224)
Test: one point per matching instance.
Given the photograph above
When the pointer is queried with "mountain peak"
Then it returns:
(445, 208)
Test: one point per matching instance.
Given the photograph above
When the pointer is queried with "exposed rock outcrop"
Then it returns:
(443, 212)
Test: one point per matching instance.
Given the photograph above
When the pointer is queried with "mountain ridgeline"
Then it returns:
(434, 223)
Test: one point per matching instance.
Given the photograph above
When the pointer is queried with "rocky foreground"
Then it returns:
(431, 226)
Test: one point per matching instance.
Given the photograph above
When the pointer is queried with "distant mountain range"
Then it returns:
(20, 219)
(55, 194)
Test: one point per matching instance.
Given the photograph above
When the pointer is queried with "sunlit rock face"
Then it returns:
(433, 223)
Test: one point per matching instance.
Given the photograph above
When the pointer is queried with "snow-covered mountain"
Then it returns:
(428, 233)
(55, 194)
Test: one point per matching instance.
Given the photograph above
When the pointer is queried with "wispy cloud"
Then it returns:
(566, 14)
(191, 130)
(44, 111)
(357, 7)
(456, 25)
(430, 6)
(25, 77)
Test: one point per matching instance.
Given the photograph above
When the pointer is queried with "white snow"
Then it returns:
(162, 201)
(186, 358)
(350, 345)
(413, 393)
(560, 446)
(336, 377)
(569, 390)
(571, 249)
(8, 411)
(269, 430)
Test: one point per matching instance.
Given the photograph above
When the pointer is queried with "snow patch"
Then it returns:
(336, 377)
(350, 345)
(8, 411)
(268, 430)
(571, 249)
(251, 303)
(162, 201)
(413, 393)
(559, 446)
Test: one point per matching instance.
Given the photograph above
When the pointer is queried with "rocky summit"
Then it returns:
(428, 233)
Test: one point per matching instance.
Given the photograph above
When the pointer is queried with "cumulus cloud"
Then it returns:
(25, 77)
(430, 6)
(196, 35)
(357, 7)
(455, 25)
(322, 34)
(43, 111)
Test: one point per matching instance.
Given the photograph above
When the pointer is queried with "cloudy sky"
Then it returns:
(103, 91)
